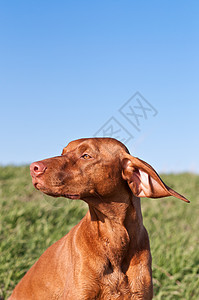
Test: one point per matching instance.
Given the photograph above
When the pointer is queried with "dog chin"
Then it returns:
(42, 189)
(72, 196)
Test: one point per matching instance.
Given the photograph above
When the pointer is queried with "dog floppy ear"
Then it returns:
(144, 181)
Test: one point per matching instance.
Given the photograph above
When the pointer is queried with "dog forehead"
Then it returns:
(109, 145)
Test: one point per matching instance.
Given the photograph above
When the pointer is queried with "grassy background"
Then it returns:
(30, 222)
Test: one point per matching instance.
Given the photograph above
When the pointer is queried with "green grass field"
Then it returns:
(30, 222)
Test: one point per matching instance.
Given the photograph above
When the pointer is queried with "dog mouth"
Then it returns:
(39, 186)
(37, 183)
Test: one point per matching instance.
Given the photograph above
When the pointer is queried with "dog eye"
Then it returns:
(85, 156)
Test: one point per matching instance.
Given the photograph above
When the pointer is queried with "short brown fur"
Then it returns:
(107, 255)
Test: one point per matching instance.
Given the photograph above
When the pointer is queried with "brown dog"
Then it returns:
(107, 255)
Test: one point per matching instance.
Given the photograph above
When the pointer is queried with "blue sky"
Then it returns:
(67, 67)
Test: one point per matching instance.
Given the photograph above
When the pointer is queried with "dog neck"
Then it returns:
(117, 223)
(118, 210)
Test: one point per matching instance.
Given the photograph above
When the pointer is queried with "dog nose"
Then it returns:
(37, 168)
